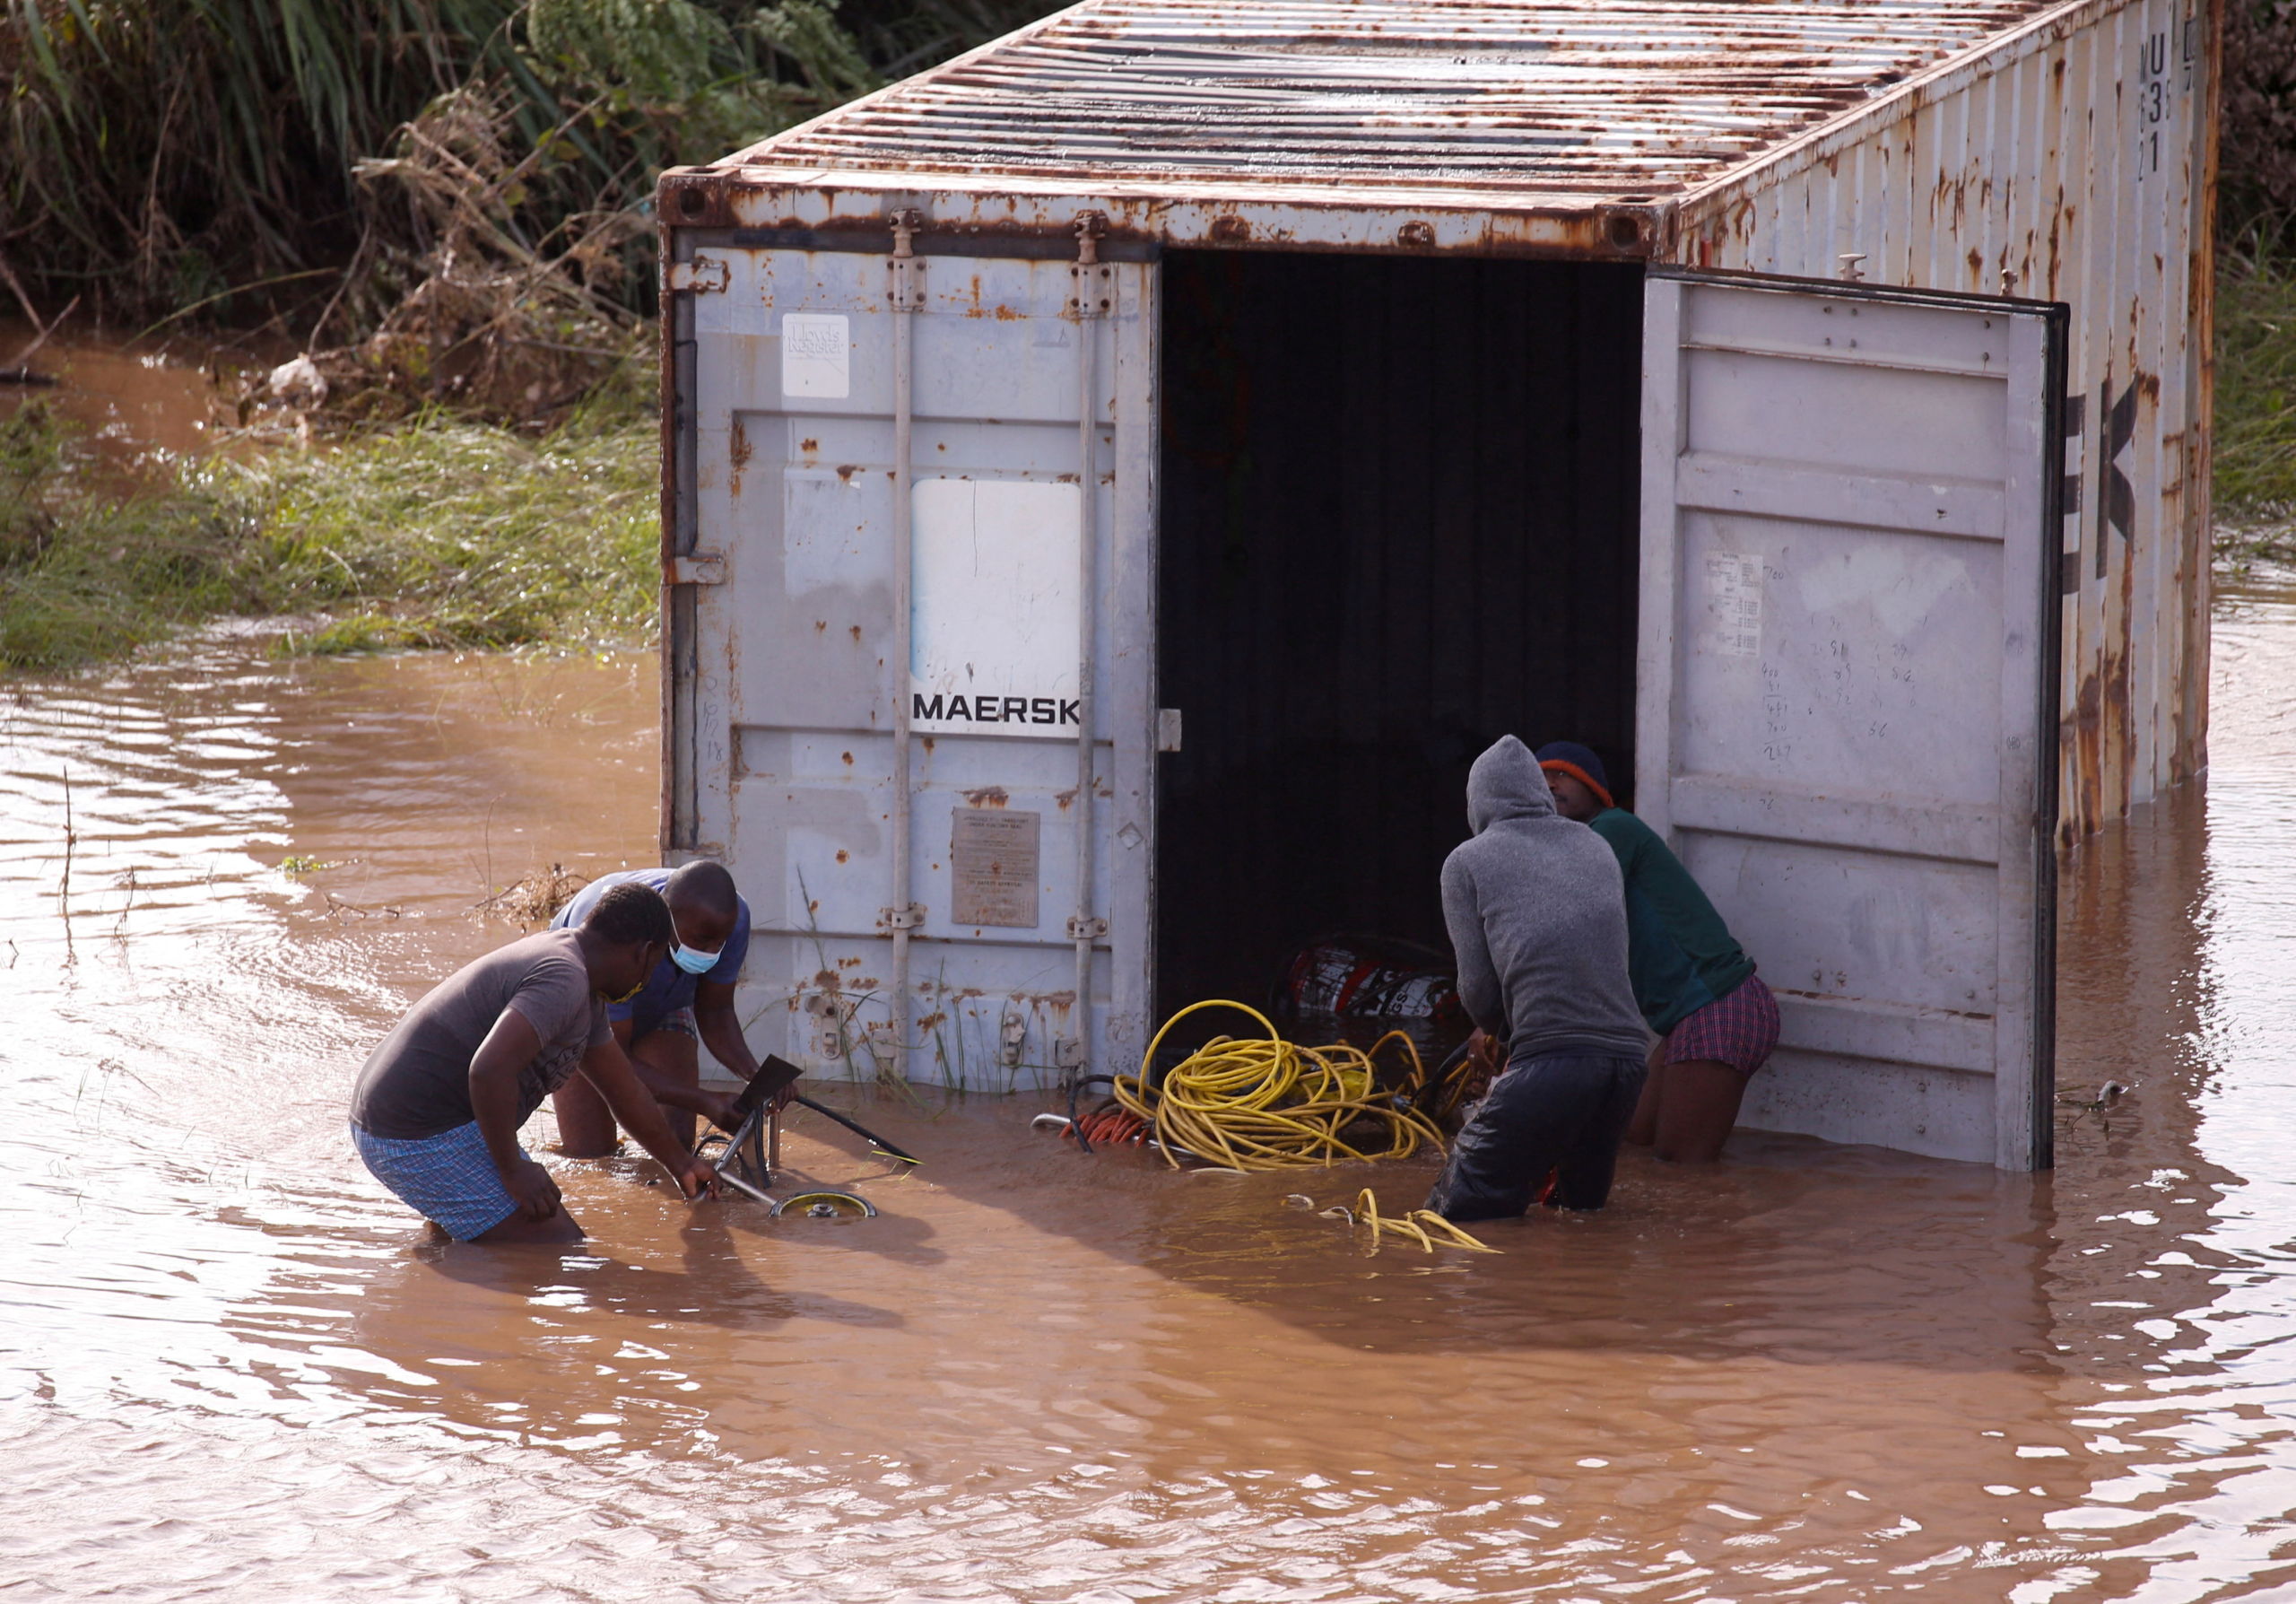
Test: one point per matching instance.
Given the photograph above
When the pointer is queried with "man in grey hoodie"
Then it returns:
(1537, 917)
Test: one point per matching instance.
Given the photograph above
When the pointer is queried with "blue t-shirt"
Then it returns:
(669, 988)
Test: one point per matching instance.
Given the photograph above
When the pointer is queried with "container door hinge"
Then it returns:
(1069, 1057)
(901, 919)
(906, 292)
(1168, 729)
(704, 276)
(1091, 288)
(1088, 929)
(696, 568)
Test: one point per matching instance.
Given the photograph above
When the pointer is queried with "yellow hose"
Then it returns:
(1271, 1105)
(1422, 1225)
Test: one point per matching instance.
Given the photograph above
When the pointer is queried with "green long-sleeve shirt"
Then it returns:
(1679, 954)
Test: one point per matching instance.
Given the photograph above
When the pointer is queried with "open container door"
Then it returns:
(919, 488)
(1845, 687)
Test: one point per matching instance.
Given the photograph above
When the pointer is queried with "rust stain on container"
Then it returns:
(1519, 96)
(740, 450)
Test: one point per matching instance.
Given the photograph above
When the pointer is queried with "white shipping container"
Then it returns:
(1116, 482)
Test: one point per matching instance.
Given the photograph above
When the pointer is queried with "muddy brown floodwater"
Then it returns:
(235, 1369)
(132, 399)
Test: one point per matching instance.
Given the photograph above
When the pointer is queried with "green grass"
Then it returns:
(2255, 409)
(439, 533)
(85, 575)
(458, 535)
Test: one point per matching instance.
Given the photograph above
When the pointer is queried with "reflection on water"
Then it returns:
(233, 1368)
(131, 398)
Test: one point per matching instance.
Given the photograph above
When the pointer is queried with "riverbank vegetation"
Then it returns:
(2256, 407)
(447, 199)
(437, 532)
(445, 206)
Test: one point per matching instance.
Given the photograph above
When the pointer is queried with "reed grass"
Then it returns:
(236, 154)
(2255, 442)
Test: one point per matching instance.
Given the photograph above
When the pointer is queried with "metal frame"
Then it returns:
(754, 1146)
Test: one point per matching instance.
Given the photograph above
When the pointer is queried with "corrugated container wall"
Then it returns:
(2073, 162)
(1116, 481)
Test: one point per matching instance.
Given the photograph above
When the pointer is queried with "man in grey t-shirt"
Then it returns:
(438, 1105)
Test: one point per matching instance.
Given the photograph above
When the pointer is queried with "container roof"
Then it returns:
(1627, 100)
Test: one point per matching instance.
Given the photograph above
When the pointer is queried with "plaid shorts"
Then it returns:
(677, 1022)
(448, 1179)
(1740, 1030)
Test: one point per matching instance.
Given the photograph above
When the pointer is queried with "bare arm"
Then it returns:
(721, 1028)
(609, 1069)
(712, 1106)
(508, 1048)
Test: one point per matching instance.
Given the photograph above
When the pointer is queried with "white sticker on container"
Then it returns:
(1733, 605)
(996, 619)
(816, 356)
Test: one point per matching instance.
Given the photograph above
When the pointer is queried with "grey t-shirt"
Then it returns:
(417, 1082)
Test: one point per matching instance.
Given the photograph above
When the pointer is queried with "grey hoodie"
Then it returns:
(1537, 914)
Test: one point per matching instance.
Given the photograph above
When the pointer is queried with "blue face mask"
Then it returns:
(691, 960)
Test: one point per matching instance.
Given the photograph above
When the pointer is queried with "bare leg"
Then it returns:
(586, 1127)
(1642, 1130)
(560, 1227)
(677, 1056)
(1700, 1106)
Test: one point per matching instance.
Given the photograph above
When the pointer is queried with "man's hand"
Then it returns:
(608, 1069)
(1488, 1052)
(717, 1108)
(530, 1187)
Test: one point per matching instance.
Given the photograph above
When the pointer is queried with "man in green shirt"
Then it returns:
(1716, 1021)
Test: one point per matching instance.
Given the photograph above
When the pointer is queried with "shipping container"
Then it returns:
(1116, 483)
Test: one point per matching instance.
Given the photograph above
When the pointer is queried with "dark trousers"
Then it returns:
(1561, 1116)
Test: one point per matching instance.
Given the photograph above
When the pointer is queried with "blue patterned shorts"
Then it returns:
(448, 1179)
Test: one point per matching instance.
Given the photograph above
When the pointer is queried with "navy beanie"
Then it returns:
(1583, 761)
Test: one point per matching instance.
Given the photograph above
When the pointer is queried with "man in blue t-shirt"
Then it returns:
(687, 1003)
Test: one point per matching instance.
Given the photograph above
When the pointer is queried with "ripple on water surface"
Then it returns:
(234, 1370)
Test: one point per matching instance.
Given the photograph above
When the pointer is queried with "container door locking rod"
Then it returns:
(1093, 293)
(907, 295)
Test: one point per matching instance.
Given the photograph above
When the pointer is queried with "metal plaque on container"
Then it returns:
(993, 859)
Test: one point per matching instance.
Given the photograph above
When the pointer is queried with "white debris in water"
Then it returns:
(299, 382)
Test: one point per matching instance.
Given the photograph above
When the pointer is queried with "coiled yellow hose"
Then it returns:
(1271, 1105)
(1422, 1225)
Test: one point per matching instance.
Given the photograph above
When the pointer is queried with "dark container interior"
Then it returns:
(1397, 518)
